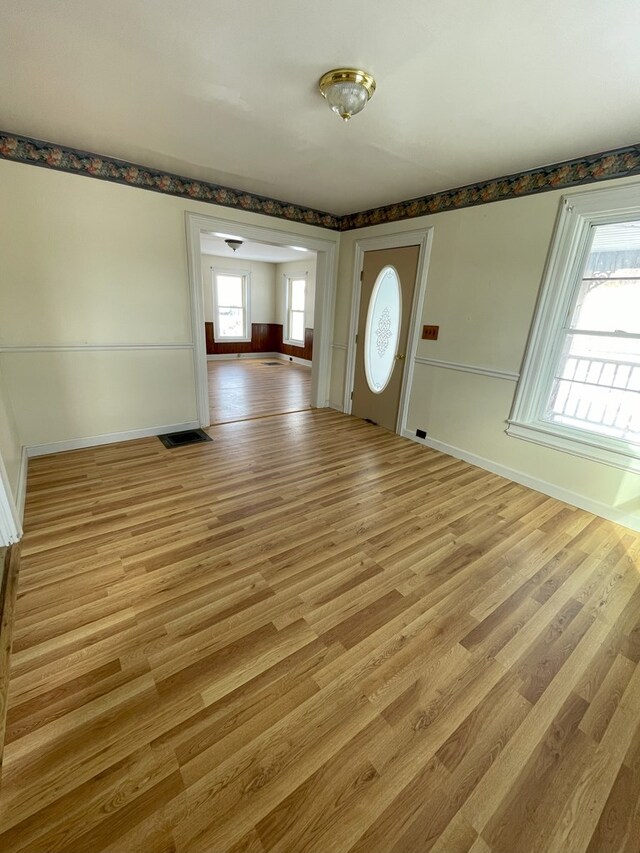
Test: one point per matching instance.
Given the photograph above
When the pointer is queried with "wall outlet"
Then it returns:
(421, 433)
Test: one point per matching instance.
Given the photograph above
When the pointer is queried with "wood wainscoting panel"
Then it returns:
(265, 337)
(312, 635)
(305, 352)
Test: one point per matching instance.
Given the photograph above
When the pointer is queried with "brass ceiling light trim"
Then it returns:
(347, 90)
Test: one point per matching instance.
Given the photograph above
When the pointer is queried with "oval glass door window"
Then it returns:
(382, 329)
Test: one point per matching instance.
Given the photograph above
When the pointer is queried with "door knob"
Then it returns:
(400, 357)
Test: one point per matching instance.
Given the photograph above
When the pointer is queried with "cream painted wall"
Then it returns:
(486, 268)
(293, 268)
(10, 445)
(263, 286)
(143, 388)
(89, 263)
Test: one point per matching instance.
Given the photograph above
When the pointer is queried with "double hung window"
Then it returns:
(296, 287)
(580, 385)
(231, 305)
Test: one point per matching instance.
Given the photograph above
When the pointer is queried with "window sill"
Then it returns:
(298, 344)
(586, 446)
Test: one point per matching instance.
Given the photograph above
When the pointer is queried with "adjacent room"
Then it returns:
(319, 427)
(259, 303)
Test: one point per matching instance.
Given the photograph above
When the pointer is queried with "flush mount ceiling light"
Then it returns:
(234, 244)
(347, 90)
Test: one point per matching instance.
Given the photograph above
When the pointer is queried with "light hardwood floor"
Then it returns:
(313, 635)
(244, 388)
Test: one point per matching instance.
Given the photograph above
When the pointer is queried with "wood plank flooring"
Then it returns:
(244, 388)
(313, 636)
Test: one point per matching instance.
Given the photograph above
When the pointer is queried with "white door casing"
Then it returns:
(326, 253)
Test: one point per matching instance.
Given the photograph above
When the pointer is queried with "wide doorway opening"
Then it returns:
(262, 312)
(259, 317)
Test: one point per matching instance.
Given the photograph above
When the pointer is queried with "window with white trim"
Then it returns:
(296, 293)
(231, 305)
(580, 386)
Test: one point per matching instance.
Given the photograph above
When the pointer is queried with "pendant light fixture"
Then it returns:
(347, 90)
(233, 244)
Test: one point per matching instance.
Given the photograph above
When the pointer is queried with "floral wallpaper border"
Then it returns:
(617, 163)
(22, 149)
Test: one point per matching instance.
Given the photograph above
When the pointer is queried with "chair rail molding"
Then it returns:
(468, 368)
(97, 347)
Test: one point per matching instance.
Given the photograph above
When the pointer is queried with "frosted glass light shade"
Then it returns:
(347, 99)
(347, 90)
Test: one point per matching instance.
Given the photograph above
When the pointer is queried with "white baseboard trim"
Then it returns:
(294, 358)
(550, 489)
(21, 491)
(234, 356)
(333, 405)
(106, 438)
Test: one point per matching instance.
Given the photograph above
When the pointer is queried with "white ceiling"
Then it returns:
(213, 244)
(226, 90)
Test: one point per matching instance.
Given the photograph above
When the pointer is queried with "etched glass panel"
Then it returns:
(382, 329)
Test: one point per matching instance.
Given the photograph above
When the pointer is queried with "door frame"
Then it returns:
(423, 238)
(326, 271)
(10, 525)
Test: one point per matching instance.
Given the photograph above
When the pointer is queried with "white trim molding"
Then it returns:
(546, 488)
(289, 278)
(245, 279)
(587, 447)
(92, 347)
(572, 240)
(10, 517)
(468, 368)
(326, 250)
(422, 238)
(106, 438)
(21, 491)
(236, 356)
(295, 359)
